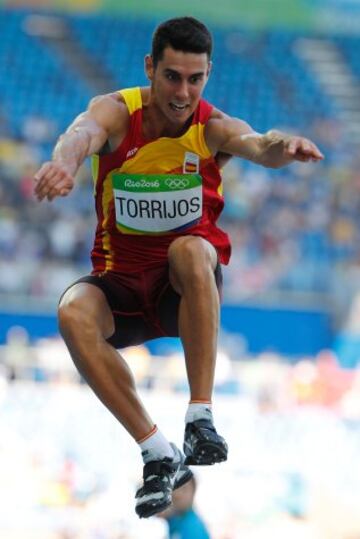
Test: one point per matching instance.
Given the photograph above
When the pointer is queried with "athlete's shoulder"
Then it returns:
(203, 111)
(113, 102)
(221, 122)
(221, 127)
(215, 126)
(216, 119)
(213, 131)
(110, 111)
(217, 115)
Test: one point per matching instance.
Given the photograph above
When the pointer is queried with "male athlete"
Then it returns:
(157, 250)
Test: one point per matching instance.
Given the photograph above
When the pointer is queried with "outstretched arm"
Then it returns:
(274, 149)
(85, 136)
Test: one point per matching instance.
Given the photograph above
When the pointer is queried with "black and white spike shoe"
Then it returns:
(202, 444)
(161, 477)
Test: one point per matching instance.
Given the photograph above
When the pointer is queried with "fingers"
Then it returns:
(46, 182)
(58, 187)
(52, 180)
(302, 149)
(292, 146)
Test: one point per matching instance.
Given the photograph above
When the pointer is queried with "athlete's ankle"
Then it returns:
(154, 446)
(198, 410)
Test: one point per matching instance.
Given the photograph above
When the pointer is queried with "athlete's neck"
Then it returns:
(155, 124)
(153, 128)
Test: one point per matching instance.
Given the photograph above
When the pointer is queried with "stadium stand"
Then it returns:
(306, 214)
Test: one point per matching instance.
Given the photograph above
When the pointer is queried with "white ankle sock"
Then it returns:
(198, 410)
(155, 446)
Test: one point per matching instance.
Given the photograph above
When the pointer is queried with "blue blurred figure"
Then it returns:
(182, 519)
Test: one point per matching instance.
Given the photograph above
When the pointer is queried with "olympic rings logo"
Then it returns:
(177, 183)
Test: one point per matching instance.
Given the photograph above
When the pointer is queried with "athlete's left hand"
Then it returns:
(301, 149)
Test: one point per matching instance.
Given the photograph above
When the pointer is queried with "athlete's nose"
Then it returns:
(182, 91)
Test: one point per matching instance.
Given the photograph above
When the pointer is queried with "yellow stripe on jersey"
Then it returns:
(132, 97)
(107, 198)
(95, 169)
(166, 154)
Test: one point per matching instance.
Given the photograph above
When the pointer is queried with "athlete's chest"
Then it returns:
(159, 188)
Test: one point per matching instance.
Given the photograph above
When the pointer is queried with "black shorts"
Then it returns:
(144, 305)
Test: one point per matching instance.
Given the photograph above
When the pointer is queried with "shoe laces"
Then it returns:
(203, 424)
(159, 468)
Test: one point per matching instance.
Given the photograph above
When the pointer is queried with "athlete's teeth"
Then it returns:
(178, 107)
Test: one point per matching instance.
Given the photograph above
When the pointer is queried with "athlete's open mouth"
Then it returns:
(178, 107)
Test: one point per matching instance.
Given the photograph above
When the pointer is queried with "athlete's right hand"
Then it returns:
(52, 180)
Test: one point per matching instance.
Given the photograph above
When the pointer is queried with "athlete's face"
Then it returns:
(177, 82)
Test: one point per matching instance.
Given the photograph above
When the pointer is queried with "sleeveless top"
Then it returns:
(147, 193)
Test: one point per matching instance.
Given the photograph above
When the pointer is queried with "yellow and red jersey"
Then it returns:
(149, 192)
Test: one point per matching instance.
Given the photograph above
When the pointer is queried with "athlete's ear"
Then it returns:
(209, 68)
(149, 67)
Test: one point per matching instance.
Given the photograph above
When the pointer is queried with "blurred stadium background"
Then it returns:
(288, 381)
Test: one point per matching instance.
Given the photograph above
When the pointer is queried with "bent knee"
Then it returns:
(85, 311)
(191, 258)
(192, 250)
(72, 316)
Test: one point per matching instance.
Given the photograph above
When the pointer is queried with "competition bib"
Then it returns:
(157, 203)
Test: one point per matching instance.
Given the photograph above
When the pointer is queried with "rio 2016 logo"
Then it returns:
(177, 183)
(141, 183)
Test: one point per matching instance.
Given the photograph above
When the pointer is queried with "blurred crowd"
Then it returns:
(43, 246)
(274, 381)
(293, 431)
(294, 230)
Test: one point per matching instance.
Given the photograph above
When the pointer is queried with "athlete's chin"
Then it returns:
(180, 116)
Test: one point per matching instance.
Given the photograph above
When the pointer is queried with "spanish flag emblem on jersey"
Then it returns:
(191, 163)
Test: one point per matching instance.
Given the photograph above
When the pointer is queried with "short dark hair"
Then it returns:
(182, 34)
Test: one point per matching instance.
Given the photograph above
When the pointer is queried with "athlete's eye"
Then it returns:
(171, 76)
(195, 79)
